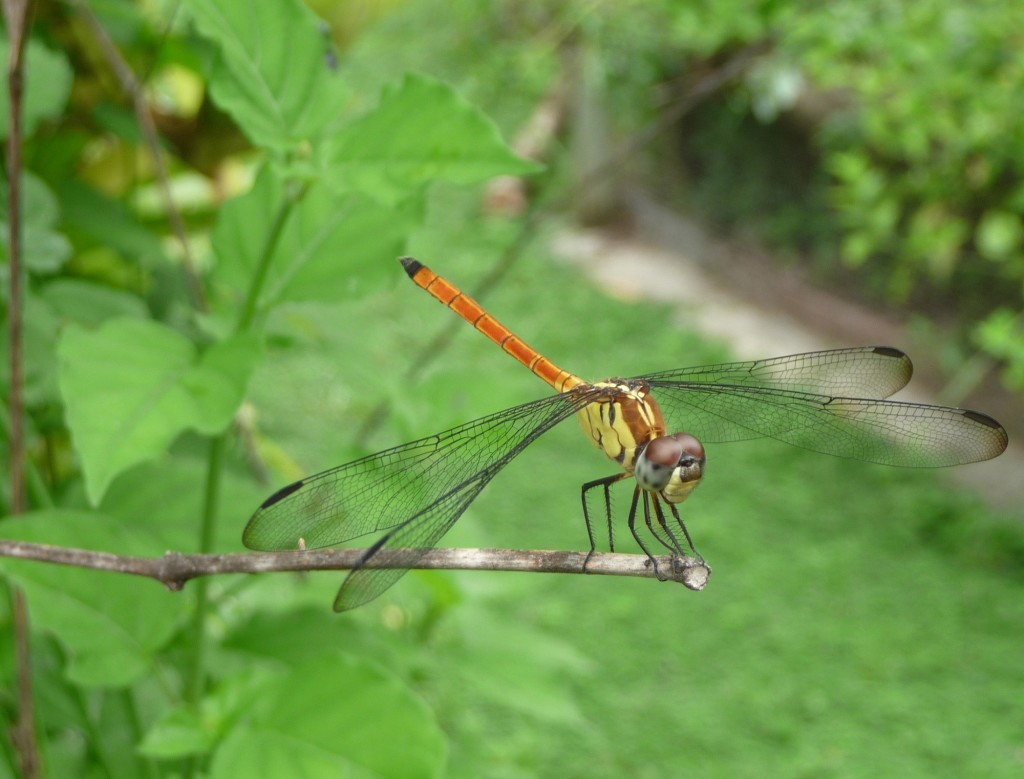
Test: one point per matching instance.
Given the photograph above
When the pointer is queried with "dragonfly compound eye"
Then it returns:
(680, 454)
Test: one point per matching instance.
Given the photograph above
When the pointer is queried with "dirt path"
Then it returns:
(743, 299)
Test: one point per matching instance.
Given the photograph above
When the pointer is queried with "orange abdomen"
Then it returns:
(463, 305)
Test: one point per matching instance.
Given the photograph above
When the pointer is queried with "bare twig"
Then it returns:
(174, 570)
(134, 89)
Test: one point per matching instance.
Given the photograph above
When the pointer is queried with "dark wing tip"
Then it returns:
(281, 494)
(890, 351)
(987, 421)
(251, 532)
(900, 356)
(983, 419)
(411, 265)
(997, 440)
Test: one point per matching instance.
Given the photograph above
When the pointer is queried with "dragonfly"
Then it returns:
(409, 496)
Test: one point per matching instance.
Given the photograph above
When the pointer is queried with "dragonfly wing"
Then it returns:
(861, 372)
(409, 540)
(412, 493)
(881, 431)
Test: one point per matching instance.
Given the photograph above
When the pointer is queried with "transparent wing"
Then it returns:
(861, 372)
(880, 431)
(412, 493)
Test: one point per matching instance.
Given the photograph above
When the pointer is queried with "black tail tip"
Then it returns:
(411, 265)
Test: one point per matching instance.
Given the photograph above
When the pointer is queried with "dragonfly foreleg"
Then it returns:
(606, 484)
(647, 519)
(672, 544)
(682, 525)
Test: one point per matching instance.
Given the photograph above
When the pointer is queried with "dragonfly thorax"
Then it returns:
(671, 466)
(623, 420)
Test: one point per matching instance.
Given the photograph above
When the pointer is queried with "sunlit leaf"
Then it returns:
(132, 386)
(1000, 234)
(422, 130)
(273, 74)
(110, 624)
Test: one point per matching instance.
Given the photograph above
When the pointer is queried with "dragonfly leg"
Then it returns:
(679, 520)
(605, 484)
(647, 519)
(674, 547)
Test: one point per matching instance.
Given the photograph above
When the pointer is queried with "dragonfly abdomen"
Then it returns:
(467, 308)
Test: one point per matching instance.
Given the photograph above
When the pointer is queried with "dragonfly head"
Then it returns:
(671, 465)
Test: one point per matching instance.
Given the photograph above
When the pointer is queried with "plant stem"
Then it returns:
(197, 674)
(126, 698)
(248, 312)
(196, 678)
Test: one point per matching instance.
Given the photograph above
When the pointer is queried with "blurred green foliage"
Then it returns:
(861, 621)
(908, 118)
(879, 141)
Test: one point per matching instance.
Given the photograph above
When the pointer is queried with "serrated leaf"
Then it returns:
(421, 131)
(335, 716)
(132, 386)
(331, 248)
(273, 74)
(110, 624)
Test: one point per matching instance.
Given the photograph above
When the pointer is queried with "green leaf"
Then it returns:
(421, 131)
(44, 249)
(178, 733)
(272, 74)
(331, 248)
(163, 499)
(89, 303)
(181, 731)
(132, 386)
(335, 716)
(110, 624)
(48, 86)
